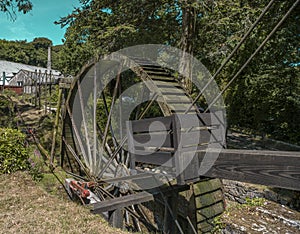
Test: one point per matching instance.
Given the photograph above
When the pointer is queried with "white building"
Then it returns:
(18, 74)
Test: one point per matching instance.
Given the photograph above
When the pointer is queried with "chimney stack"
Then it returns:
(49, 59)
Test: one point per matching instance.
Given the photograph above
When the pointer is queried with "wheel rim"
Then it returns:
(115, 162)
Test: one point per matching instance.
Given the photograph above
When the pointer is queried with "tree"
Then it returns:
(106, 26)
(209, 30)
(10, 7)
(265, 97)
(41, 42)
(31, 53)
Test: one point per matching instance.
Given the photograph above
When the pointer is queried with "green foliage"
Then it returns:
(101, 112)
(10, 7)
(257, 201)
(13, 153)
(7, 114)
(268, 104)
(100, 27)
(218, 224)
(41, 42)
(36, 165)
(265, 97)
(51, 184)
(31, 53)
(44, 130)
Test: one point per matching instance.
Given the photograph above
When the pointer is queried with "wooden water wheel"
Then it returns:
(96, 156)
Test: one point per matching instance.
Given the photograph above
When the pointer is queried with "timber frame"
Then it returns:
(271, 168)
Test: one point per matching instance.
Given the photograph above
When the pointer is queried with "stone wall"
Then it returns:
(239, 192)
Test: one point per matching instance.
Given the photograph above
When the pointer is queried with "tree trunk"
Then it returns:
(186, 44)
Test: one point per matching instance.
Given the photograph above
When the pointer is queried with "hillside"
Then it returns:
(27, 208)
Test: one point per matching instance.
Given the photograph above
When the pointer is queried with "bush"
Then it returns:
(6, 111)
(13, 153)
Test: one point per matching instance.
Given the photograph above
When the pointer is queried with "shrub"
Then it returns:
(36, 165)
(13, 152)
(6, 111)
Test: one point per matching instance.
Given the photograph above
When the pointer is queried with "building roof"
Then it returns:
(11, 69)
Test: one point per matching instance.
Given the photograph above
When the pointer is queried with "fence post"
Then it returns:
(4, 78)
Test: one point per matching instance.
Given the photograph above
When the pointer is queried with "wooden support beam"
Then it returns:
(171, 211)
(121, 202)
(271, 168)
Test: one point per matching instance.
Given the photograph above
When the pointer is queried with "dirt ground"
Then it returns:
(259, 217)
(27, 208)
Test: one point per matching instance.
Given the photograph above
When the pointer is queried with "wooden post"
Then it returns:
(50, 84)
(131, 148)
(45, 91)
(116, 218)
(4, 78)
(177, 146)
(36, 89)
(171, 210)
(58, 108)
(62, 146)
(40, 91)
(31, 85)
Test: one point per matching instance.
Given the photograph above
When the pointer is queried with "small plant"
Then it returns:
(13, 152)
(256, 201)
(36, 166)
(218, 224)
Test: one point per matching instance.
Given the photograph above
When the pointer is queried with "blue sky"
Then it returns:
(39, 22)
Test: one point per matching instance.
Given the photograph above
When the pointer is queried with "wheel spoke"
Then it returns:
(154, 97)
(84, 124)
(111, 109)
(94, 117)
(135, 221)
(107, 114)
(77, 158)
(78, 138)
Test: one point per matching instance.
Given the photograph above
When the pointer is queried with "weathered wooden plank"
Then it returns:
(179, 160)
(178, 106)
(188, 121)
(180, 101)
(179, 112)
(195, 138)
(153, 149)
(165, 89)
(171, 212)
(200, 147)
(130, 141)
(144, 124)
(163, 78)
(189, 167)
(116, 218)
(211, 211)
(210, 198)
(159, 73)
(163, 83)
(271, 168)
(207, 186)
(151, 68)
(154, 139)
(158, 158)
(176, 98)
(121, 202)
